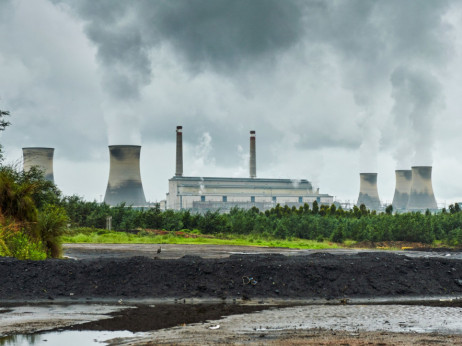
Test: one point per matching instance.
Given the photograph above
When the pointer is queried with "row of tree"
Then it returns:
(317, 222)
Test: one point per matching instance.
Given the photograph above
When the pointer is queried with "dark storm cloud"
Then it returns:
(217, 34)
(367, 40)
(224, 34)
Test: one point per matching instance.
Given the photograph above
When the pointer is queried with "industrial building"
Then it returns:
(39, 157)
(200, 194)
(413, 190)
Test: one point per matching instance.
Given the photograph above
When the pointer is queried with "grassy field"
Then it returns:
(101, 236)
(187, 237)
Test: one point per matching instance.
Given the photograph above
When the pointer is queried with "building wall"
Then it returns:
(201, 194)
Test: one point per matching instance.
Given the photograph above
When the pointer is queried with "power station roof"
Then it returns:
(243, 180)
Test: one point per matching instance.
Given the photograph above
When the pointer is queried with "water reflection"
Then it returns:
(68, 338)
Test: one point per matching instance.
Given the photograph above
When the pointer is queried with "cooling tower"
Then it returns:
(368, 193)
(179, 151)
(402, 189)
(124, 183)
(422, 196)
(253, 159)
(40, 157)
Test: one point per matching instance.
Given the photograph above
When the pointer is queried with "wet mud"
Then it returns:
(341, 286)
(142, 318)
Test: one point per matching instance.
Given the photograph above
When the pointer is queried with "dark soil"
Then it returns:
(319, 275)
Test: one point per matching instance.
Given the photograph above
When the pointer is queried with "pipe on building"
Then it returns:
(402, 189)
(421, 195)
(179, 151)
(253, 159)
(124, 184)
(368, 192)
(42, 158)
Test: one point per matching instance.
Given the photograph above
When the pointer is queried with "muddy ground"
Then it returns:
(319, 275)
(114, 273)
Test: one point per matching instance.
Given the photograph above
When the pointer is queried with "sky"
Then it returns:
(332, 89)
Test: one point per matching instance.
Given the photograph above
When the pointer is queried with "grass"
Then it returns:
(108, 237)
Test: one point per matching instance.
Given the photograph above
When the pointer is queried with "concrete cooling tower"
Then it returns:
(368, 193)
(253, 156)
(402, 189)
(421, 196)
(42, 158)
(124, 183)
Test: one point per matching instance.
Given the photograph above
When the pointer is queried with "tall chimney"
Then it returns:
(42, 158)
(368, 192)
(422, 196)
(253, 159)
(179, 151)
(124, 184)
(402, 189)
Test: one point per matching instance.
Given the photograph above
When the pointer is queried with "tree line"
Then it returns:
(318, 222)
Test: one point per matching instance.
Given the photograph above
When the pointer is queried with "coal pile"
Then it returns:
(319, 275)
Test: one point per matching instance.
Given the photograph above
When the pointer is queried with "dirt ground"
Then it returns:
(175, 251)
(232, 274)
(308, 337)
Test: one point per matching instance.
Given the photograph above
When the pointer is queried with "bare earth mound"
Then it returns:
(318, 275)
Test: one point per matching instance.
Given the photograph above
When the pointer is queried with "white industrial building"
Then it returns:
(200, 194)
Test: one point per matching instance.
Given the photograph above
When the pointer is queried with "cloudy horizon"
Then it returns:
(332, 89)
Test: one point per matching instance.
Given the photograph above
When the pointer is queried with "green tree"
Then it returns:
(389, 210)
(315, 208)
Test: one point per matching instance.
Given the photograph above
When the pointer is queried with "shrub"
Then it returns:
(52, 223)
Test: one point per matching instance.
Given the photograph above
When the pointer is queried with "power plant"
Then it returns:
(421, 195)
(413, 189)
(201, 194)
(402, 189)
(39, 157)
(368, 192)
(124, 184)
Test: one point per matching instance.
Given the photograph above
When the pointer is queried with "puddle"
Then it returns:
(68, 338)
(96, 324)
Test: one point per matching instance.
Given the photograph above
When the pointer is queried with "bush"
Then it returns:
(52, 223)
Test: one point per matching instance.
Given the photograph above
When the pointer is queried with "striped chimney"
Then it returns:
(179, 151)
(253, 159)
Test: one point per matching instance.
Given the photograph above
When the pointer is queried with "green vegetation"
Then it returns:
(318, 223)
(31, 220)
(86, 235)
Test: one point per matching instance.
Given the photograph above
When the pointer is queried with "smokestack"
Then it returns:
(42, 158)
(253, 159)
(179, 151)
(368, 192)
(402, 189)
(124, 183)
(422, 196)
